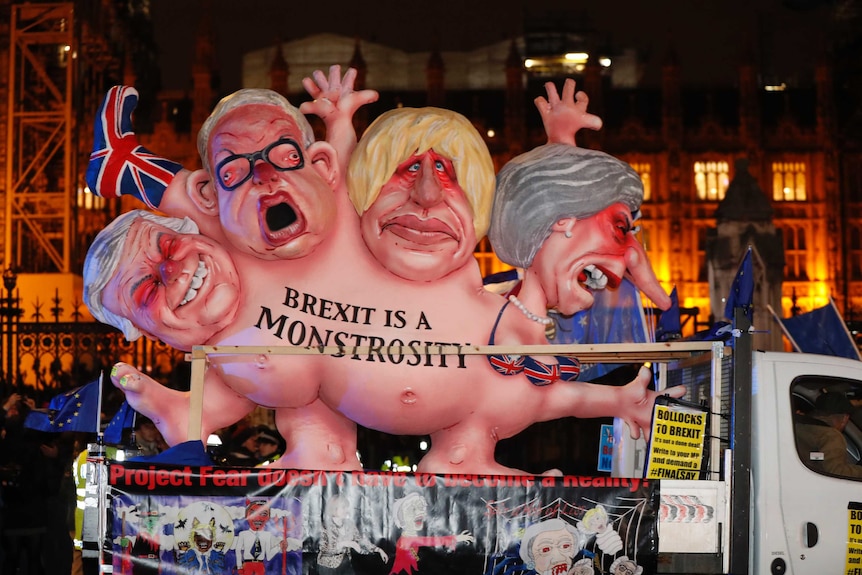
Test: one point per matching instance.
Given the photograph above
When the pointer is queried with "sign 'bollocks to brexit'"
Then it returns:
(677, 442)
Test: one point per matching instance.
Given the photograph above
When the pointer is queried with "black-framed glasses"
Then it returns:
(283, 155)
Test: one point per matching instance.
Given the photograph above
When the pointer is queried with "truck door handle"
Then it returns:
(811, 534)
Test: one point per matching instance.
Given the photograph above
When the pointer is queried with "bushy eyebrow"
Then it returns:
(138, 283)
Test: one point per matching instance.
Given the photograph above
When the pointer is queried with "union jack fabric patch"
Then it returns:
(539, 373)
(507, 364)
(119, 164)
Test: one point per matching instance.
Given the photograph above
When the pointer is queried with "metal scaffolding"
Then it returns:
(40, 166)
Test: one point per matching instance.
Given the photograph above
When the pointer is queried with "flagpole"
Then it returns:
(99, 408)
(844, 325)
(101, 522)
(783, 329)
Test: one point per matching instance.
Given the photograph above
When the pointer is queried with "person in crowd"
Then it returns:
(148, 437)
(35, 534)
(270, 444)
(820, 439)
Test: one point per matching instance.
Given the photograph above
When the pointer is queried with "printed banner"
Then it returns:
(676, 442)
(272, 521)
(854, 539)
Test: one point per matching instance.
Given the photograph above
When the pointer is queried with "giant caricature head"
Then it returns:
(156, 276)
(549, 547)
(422, 181)
(271, 183)
(568, 214)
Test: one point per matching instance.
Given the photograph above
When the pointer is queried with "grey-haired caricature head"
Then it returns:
(549, 183)
(157, 276)
(270, 184)
(569, 214)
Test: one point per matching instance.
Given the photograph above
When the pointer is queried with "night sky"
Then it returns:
(708, 35)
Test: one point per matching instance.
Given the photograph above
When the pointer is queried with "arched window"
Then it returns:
(644, 170)
(788, 182)
(711, 180)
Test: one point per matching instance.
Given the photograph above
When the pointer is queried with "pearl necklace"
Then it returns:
(544, 320)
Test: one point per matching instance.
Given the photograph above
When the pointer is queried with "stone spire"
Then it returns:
(279, 71)
(436, 75)
(516, 128)
(744, 219)
(744, 201)
(357, 62)
(203, 94)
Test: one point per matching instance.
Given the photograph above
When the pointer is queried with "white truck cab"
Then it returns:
(771, 505)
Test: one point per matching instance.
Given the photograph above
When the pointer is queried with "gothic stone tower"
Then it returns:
(744, 218)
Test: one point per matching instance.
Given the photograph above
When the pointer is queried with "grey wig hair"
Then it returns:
(250, 96)
(549, 183)
(104, 255)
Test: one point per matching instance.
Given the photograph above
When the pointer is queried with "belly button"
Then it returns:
(261, 361)
(408, 397)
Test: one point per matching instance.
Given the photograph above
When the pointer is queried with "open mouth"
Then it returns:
(424, 232)
(280, 220)
(196, 283)
(559, 569)
(597, 278)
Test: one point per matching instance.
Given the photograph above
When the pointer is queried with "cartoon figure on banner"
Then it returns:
(140, 550)
(255, 546)
(596, 523)
(549, 547)
(625, 566)
(339, 536)
(266, 192)
(554, 539)
(203, 533)
(582, 567)
(408, 514)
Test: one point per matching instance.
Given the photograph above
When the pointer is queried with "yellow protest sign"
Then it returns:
(854, 539)
(676, 445)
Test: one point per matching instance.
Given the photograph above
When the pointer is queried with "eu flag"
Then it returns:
(124, 419)
(742, 290)
(821, 331)
(669, 325)
(616, 316)
(76, 410)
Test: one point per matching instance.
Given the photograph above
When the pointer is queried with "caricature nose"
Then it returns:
(264, 172)
(167, 271)
(428, 190)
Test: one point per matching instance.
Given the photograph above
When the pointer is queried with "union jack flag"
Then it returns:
(119, 164)
(507, 364)
(540, 373)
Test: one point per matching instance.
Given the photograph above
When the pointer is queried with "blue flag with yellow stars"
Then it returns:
(742, 291)
(123, 420)
(75, 410)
